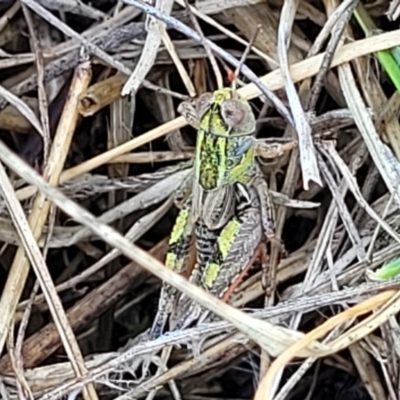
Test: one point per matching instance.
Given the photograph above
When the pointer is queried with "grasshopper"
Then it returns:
(224, 205)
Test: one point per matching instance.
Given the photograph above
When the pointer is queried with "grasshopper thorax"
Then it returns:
(225, 143)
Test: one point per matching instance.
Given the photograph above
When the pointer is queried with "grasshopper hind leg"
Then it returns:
(206, 246)
(237, 244)
(164, 309)
(236, 248)
(178, 260)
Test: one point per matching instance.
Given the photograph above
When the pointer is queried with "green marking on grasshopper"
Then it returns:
(225, 152)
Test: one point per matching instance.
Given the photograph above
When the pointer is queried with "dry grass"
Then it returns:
(86, 199)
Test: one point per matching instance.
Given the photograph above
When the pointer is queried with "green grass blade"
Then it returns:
(389, 59)
(388, 271)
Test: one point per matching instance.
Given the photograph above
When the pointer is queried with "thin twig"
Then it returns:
(39, 265)
(43, 103)
(210, 55)
(308, 160)
(39, 213)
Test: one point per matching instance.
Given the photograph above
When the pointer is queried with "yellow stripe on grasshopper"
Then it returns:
(228, 236)
(179, 227)
(225, 242)
(173, 262)
(170, 260)
(178, 231)
(210, 274)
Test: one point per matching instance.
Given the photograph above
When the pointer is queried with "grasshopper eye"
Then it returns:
(234, 112)
(203, 103)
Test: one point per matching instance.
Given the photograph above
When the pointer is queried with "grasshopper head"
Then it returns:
(224, 113)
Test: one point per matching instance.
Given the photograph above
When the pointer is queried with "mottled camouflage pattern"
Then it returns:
(226, 222)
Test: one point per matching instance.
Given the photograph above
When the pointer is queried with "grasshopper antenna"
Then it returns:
(244, 56)
(210, 55)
